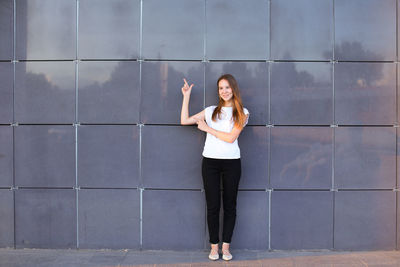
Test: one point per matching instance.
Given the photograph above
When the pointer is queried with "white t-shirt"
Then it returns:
(214, 147)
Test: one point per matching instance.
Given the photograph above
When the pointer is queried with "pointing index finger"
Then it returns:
(186, 82)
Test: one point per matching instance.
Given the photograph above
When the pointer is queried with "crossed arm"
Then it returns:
(227, 137)
(202, 125)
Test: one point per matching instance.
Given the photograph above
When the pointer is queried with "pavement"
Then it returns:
(145, 258)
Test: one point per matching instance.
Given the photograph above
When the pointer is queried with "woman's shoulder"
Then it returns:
(210, 108)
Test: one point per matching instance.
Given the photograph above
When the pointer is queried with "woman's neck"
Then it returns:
(229, 104)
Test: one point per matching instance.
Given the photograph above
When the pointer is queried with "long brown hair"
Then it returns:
(238, 116)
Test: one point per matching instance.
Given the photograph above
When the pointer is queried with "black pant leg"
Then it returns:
(231, 177)
(211, 170)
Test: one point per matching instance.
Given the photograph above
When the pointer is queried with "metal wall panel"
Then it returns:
(45, 218)
(108, 92)
(109, 218)
(173, 29)
(161, 95)
(237, 29)
(252, 219)
(302, 29)
(44, 92)
(365, 30)
(6, 218)
(108, 156)
(7, 156)
(6, 91)
(301, 157)
(254, 156)
(301, 93)
(45, 156)
(365, 93)
(365, 158)
(45, 29)
(109, 29)
(171, 157)
(6, 29)
(173, 219)
(365, 220)
(301, 220)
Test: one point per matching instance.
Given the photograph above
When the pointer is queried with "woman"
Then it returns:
(221, 154)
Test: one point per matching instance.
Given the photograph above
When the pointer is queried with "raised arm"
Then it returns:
(185, 119)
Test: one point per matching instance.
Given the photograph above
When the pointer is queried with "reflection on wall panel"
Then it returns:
(45, 29)
(161, 96)
(301, 93)
(44, 92)
(6, 29)
(237, 30)
(365, 30)
(108, 92)
(365, 93)
(365, 157)
(301, 157)
(301, 30)
(173, 29)
(109, 29)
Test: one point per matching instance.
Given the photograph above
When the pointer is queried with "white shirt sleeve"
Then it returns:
(246, 112)
(208, 113)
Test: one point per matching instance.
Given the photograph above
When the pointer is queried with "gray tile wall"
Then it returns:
(92, 153)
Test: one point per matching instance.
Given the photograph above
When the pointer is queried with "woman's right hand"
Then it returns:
(186, 89)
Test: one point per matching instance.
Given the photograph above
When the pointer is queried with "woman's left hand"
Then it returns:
(202, 125)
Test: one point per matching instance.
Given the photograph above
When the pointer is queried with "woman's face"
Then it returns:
(225, 90)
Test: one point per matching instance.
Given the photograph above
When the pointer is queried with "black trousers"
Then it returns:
(211, 171)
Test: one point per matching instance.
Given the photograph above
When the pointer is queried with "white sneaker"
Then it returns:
(226, 255)
(213, 256)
